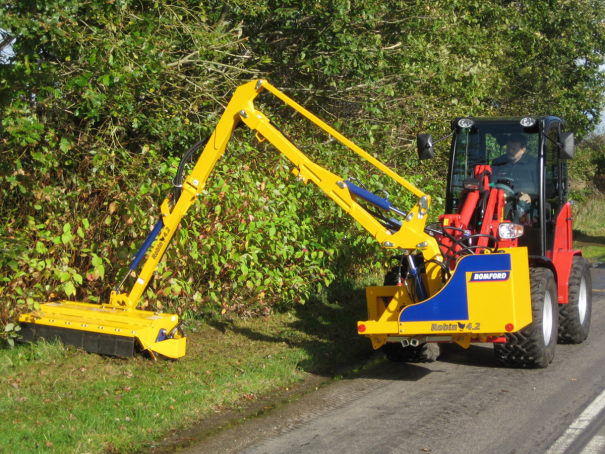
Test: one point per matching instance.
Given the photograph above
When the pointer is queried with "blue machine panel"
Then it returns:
(451, 303)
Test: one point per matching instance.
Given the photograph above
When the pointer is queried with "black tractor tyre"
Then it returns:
(574, 317)
(423, 353)
(534, 346)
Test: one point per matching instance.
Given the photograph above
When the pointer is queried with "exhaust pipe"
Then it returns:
(405, 343)
(414, 343)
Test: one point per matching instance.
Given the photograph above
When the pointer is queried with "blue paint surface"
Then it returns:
(368, 196)
(148, 242)
(451, 303)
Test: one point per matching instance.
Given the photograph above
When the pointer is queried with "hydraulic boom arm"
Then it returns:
(241, 108)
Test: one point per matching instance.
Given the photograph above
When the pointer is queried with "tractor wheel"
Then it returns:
(574, 317)
(423, 353)
(534, 346)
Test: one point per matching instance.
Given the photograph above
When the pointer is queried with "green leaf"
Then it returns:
(64, 145)
(100, 271)
(69, 288)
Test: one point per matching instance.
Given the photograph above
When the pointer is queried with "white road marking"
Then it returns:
(578, 426)
(595, 446)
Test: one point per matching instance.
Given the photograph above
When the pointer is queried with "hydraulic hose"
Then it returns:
(178, 179)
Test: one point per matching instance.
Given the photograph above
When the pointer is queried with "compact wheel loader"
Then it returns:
(497, 268)
(510, 275)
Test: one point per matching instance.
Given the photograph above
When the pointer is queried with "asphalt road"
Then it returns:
(463, 403)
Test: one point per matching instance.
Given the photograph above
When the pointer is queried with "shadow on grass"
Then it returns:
(325, 327)
(584, 238)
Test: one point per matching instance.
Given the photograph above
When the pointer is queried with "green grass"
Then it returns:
(61, 400)
(593, 252)
(590, 215)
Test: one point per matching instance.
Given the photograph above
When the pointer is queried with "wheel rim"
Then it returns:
(547, 320)
(582, 301)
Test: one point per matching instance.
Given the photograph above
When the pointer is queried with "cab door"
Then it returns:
(555, 185)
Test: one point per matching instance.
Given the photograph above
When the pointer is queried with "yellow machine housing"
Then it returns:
(108, 330)
(483, 299)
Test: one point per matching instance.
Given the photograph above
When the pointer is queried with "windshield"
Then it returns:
(510, 150)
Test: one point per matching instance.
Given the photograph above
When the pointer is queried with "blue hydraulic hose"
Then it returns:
(372, 198)
(417, 279)
(136, 259)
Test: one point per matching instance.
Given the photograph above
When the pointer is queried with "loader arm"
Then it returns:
(241, 108)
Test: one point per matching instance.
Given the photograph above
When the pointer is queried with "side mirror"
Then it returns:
(425, 146)
(566, 145)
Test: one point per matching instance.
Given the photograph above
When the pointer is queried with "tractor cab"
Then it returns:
(527, 159)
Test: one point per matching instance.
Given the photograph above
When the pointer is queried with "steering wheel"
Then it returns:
(508, 191)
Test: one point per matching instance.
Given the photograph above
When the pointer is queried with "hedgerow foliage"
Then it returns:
(100, 99)
(587, 170)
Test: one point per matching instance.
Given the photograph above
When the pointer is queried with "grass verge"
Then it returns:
(589, 228)
(60, 400)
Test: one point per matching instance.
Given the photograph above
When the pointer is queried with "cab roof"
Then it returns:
(507, 120)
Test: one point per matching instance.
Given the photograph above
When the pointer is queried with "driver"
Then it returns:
(518, 168)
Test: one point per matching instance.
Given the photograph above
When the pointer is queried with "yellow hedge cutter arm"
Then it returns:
(112, 328)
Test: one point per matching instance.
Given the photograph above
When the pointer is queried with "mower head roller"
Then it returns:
(106, 329)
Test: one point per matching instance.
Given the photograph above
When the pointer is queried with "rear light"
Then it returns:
(361, 328)
(509, 327)
(508, 231)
